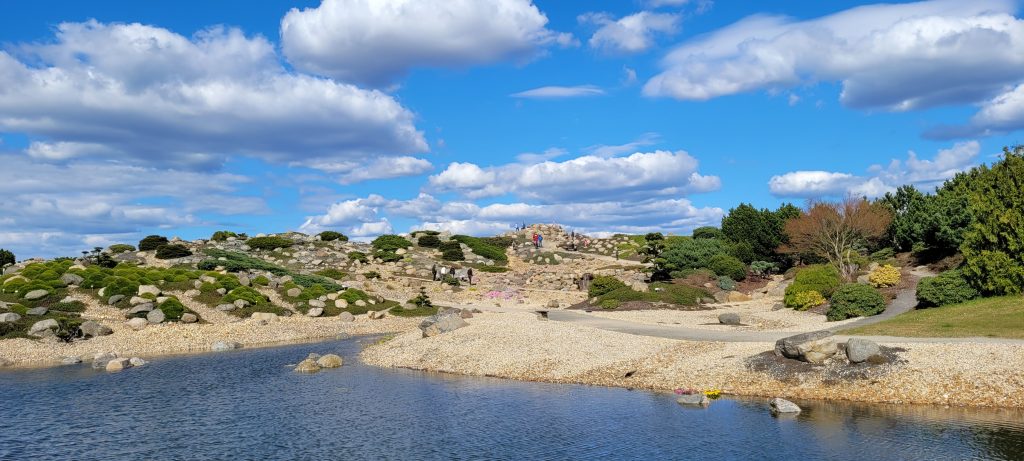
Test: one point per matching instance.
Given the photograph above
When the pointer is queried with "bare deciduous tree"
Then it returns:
(834, 230)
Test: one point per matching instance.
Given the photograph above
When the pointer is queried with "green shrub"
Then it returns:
(493, 269)
(357, 256)
(728, 266)
(451, 280)
(428, 241)
(855, 300)
(449, 245)
(172, 309)
(172, 251)
(763, 268)
(152, 242)
(120, 286)
(490, 248)
(726, 283)
(269, 243)
(390, 242)
(453, 254)
(949, 287)
(330, 236)
(687, 253)
(245, 293)
(352, 295)
(807, 299)
(821, 278)
(261, 281)
(882, 255)
(331, 273)
(223, 235)
(603, 284)
(609, 303)
(119, 248)
(707, 232)
(370, 275)
(6, 257)
(237, 262)
(387, 255)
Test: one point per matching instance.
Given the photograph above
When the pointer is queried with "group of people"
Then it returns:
(538, 240)
(438, 273)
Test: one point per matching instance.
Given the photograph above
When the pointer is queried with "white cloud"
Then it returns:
(376, 41)
(1001, 114)
(583, 179)
(560, 92)
(611, 150)
(146, 95)
(387, 168)
(548, 154)
(630, 34)
(793, 99)
(924, 174)
(893, 56)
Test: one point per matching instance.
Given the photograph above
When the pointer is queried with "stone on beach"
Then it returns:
(43, 328)
(221, 346)
(442, 323)
(137, 323)
(782, 406)
(264, 316)
(93, 329)
(814, 347)
(861, 350)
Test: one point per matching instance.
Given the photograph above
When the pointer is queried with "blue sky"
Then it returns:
(119, 119)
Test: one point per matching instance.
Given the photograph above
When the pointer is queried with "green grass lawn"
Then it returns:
(1001, 317)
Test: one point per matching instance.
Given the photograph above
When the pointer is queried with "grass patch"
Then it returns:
(1001, 317)
(680, 295)
(400, 311)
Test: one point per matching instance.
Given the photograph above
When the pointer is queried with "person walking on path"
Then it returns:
(540, 241)
(469, 275)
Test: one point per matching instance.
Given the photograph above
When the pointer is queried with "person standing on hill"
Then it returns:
(535, 240)
(469, 275)
(540, 241)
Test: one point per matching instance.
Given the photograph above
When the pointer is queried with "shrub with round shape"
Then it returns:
(330, 236)
(172, 251)
(390, 242)
(152, 242)
(172, 309)
(821, 278)
(807, 299)
(269, 243)
(119, 248)
(885, 276)
(726, 283)
(603, 284)
(429, 241)
(728, 266)
(949, 287)
(453, 254)
(855, 300)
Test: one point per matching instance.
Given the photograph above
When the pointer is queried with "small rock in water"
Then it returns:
(783, 406)
(220, 346)
(696, 400)
(330, 361)
(307, 366)
(99, 361)
(71, 360)
(137, 362)
(118, 364)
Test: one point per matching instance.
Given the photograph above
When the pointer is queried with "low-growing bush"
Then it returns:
(331, 273)
(884, 254)
(390, 242)
(172, 309)
(726, 283)
(152, 242)
(119, 248)
(807, 299)
(728, 266)
(949, 287)
(493, 269)
(269, 243)
(172, 251)
(490, 248)
(370, 275)
(330, 236)
(855, 300)
(261, 280)
(884, 276)
(387, 255)
(603, 284)
(428, 241)
(763, 268)
(245, 293)
(453, 254)
(357, 256)
(821, 278)
(222, 235)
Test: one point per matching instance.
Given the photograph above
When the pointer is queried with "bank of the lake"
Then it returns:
(249, 404)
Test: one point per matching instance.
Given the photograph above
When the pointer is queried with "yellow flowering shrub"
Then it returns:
(807, 299)
(885, 276)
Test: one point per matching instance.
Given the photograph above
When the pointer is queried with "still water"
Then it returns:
(249, 405)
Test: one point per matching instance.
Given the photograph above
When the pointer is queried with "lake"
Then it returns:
(248, 405)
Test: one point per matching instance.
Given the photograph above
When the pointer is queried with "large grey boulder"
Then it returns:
(861, 350)
(189, 317)
(293, 292)
(729, 318)
(221, 346)
(813, 347)
(9, 317)
(100, 360)
(44, 328)
(226, 307)
(36, 294)
(138, 323)
(93, 329)
(156, 316)
(141, 309)
(442, 323)
(118, 364)
(307, 366)
(782, 406)
(346, 317)
(330, 361)
(315, 311)
(151, 289)
(694, 400)
(37, 311)
(71, 279)
(115, 299)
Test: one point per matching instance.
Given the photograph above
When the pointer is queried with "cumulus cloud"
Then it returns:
(923, 173)
(376, 41)
(630, 34)
(143, 94)
(386, 168)
(891, 56)
(588, 178)
(1001, 114)
(560, 92)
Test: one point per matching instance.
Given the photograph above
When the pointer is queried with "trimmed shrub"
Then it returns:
(172, 251)
(453, 254)
(387, 255)
(885, 276)
(119, 248)
(330, 236)
(493, 269)
(248, 294)
(726, 283)
(949, 287)
(152, 242)
(821, 278)
(221, 236)
(331, 273)
(884, 254)
(686, 253)
(707, 232)
(728, 266)
(490, 248)
(269, 243)
(855, 300)
(429, 241)
(807, 299)
(261, 281)
(172, 309)
(603, 284)
(357, 256)
(763, 268)
(390, 242)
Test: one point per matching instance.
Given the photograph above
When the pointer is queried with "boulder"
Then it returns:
(264, 317)
(37, 311)
(100, 360)
(43, 328)
(293, 292)
(442, 323)
(141, 309)
(70, 360)
(317, 303)
(553, 304)
(138, 323)
(341, 304)
(240, 303)
(71, 279)
(721, 296)
(861, 350)
(9, 317)
(782, 406)
(118, 364)
(694, 400)
(136, 300)
(226, 307)
(729, 318)
(93, 329)
(151, 289)
(374, 315)
(221, 346)
(736, 297)
(243, 280)
(315, 311)
(189, 317)
(346, 317)
(114, 299)
(330, 361)
(156, 316)
(813, 347)
(36, 294)
(466, 313)
(360, 303)
(307, 366)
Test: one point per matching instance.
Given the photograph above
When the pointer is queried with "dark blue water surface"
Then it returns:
(249, 405)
